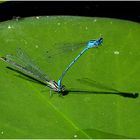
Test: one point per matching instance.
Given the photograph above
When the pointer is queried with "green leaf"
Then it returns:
(87, 111)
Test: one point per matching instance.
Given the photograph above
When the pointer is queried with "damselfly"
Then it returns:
(90, 44)
(22, 61)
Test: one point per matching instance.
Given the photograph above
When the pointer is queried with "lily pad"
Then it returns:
(87, 111)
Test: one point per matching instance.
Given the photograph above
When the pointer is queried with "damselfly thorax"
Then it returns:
(54, 86)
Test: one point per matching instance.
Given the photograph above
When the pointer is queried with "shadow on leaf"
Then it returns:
(78, 91)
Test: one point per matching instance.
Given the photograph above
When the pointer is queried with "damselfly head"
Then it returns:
(99, 41)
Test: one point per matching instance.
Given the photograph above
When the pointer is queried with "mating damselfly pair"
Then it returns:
(22, 61)
(26, 66)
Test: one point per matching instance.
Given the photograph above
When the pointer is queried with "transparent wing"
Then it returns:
(22, 61)
(65, 48)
